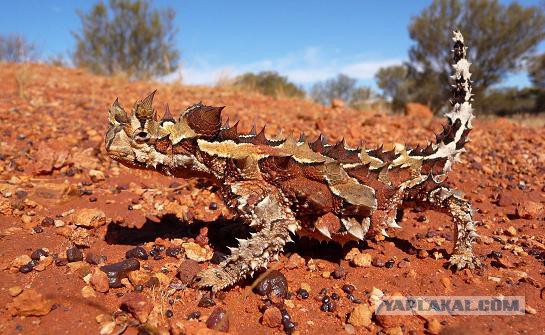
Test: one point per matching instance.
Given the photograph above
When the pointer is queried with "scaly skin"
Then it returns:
(286, 186)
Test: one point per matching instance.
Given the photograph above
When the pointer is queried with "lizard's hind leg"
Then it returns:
(272, 220)
(461, 213)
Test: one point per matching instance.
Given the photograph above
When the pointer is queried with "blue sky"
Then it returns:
(306, 40)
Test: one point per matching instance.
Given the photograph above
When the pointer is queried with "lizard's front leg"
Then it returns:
(464, 226)
(264, 208)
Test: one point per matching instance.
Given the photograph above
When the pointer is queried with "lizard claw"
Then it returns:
(461, 261)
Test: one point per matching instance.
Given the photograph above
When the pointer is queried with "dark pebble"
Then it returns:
(169, 313)
(288, 325)
(335, 296)
(171, 301)
(93, 199)
(61, 261)
(302, 293)
(495, 254)
(26, 268)
(389, 264)
(73, 254)
(274, 283)
(339, 273)
(48, 222)
(119, 270)
(194, 315)
(213, 206)
(152, 282)
(349, 289)
(21, 194)
(158, 257)
(206, 302)
(137, 252)
(139, 288)
(173, 251)
(324, 308)
(326, 299)
(379, 263)
(36, 254)
(38, 229)
(95, 259)
(218, 320)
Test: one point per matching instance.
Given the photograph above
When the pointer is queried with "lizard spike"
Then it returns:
(242, 242)
(167, 117)
(260, 138)
(384, 233)
(302, 137)
(229, 133)
(292, 228)
(253, 130)
(226, 124)
(143, 109)
(393, 224)
(232, 249)
(357, 231)
(323, 229)
(117, 113)
(254, 264)
(318, 145)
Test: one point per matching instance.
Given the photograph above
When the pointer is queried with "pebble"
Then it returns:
(15, 291)
(339, 272)
(173, 251)
(272, 317)
(88, 292)
(360, 316)
(99, 280)
(194, 315)
(197, 253)
(274, 283)
(169, 313)
(530, 210)
(389, 264)
(95, 259)
(38, 229)
(218, 320)
(90, 218)
(26, 268)
(73, 254)
(118, 271)
(137, 305)
(206, 302)
(302, 293)
(348, 288)
(433, 326)
(295, 262)
(38, 253)
(29, 303)
(187, 271)
(511, 231)
(362, 260)
(137, 252)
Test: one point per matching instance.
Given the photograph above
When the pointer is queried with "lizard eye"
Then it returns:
(141, 137)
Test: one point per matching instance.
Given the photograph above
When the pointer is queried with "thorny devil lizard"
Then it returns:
(288, 186)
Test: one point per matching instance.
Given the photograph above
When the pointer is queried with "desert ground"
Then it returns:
(67, 210)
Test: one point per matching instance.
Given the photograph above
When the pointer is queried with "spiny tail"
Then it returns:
(451, 141)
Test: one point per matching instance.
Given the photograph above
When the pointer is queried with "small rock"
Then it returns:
(88, 292)
(137, 252)
(362, 260)
(196, 252)
(272, 317)
(187, 271)
(218, 320)
(433, 326)
(29, 303)
(361, 316)
(295, 262)
(418, 111)
(19, 261)
(107, 328)
(530, 210)
(393, 331)
(339, 273)
(73, 254)
(118, 271)
(351, 254)
(206, 302)
(100, 282)
(44, 263)
(505, 200)
(137, 305)
(38, 253)
(173, 252)
(15, 291)
(90, 218)
(337, 103)
(95, 259)
(138, 277)
(447, 283)
(530, 310)
(511, 231)
(96, 175)
(274, 283)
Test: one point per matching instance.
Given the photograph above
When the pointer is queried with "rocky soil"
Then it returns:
(88, 246)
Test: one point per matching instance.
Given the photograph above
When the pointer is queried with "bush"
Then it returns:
(511, 101)
(396, 85)
(268, 83)
(14, 48)
(341, 87)
(127, 37)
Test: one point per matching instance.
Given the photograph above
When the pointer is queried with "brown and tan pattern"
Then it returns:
(288, 186)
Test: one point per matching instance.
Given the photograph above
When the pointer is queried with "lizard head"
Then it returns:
(141, 140)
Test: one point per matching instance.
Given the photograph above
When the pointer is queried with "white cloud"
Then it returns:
(304, 67)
